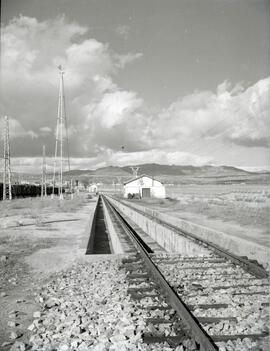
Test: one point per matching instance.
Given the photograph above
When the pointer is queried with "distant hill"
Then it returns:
(113, 171)
(155, 169)
(166, 173)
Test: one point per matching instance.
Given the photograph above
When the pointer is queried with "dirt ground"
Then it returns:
(38, 237)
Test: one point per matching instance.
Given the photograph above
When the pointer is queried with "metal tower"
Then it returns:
(60, 140)
(119, 179)
(44, 169)
(135, 171)
(7, 171)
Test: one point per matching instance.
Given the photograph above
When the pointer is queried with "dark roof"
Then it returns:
(140, 176)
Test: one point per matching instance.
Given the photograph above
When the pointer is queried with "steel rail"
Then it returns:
(204, 340)
(246, 264)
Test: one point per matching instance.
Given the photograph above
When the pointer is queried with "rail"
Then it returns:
(203, 339)
(248, 265)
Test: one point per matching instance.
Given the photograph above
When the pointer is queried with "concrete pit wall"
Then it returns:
(164, 236)
(176, 243)
(115, 244)
(91, 229)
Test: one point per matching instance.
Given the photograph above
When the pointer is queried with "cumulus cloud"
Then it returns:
(231, 114)
(28, 45)
(151, 156)
(102, 117)
(109, 157)
(45, 130)
(123, 60)
(114, 107)
(31, 52)
(16, 130)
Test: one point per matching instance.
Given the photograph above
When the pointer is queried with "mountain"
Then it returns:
(112, 171)
(173, 170)
(154, 169)
(166, 173)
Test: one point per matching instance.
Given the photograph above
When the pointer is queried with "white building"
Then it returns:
(92, 188)
(144, 186)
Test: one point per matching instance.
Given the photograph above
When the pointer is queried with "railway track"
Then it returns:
(207, 302)
(249, 265)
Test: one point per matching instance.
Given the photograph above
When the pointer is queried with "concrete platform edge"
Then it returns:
(238, 246)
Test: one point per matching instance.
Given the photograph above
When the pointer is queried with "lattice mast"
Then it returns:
(135, 171)
(44, 173)
(59, 141)
(7, 195)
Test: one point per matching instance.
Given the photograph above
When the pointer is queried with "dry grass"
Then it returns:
(32, 207)
(246, 206)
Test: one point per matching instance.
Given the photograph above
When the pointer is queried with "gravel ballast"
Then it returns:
(87, 307)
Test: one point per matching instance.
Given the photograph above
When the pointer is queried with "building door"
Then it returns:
(145, 192)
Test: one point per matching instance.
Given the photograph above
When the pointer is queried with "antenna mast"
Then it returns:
(44, 169)
(135, 171)
(61, 124)
(7, 171)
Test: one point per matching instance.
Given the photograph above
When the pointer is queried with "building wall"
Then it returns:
(158, 192)
(131, 189)
(92, 188)
(157, 189)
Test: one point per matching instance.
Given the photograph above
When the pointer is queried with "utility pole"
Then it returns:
(135, 171)
(119, 180)
(59, 141)
(7, 194)
(71, 188)
(44, 169)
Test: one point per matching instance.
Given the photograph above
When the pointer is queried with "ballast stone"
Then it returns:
(18, 346)
(37, 314)
(13, 335)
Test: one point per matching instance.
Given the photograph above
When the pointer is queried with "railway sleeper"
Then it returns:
(161, 308)
(134, 276)
(200, 291)
(138, 296)
(134, 260)
(141, 289)
(131, 266)
(208, 320)
(251, 293)
(216, 277)
(218, 338)
(169, 262)
(204, 268)
(173, 341)
(208, 306)
(238, 286)
(161, 320)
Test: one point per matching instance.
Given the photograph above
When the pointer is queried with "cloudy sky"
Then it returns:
(173, 82)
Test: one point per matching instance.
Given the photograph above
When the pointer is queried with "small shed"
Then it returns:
(144, 186)
(92, 188)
